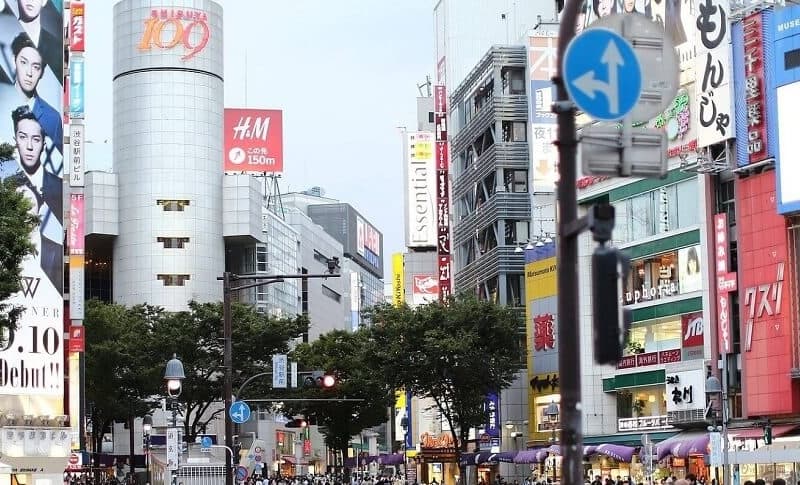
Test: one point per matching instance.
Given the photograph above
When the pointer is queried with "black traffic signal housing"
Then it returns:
(320, 379)
(297, 423)
(768, 434)
(610, 320)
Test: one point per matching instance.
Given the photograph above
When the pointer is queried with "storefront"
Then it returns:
(663, 275)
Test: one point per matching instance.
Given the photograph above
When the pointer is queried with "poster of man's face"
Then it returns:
(31, 104)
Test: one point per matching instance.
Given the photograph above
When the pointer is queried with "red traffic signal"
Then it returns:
(326, 381)
(297, 423)
(320, 379)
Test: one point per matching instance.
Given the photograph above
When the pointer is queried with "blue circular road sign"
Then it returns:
(241, 473)
(239, 412)
(602, 74)
(206, 442)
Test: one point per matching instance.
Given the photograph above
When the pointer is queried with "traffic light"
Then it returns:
(297, 423)
(320, 379)
(610, 266)
(768, 434)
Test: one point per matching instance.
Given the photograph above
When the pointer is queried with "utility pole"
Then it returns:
(569, 363)
(227, 329)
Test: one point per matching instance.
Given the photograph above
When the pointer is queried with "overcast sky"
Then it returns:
(345, 74)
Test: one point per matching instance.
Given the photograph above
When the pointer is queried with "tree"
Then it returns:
(455, 353)
(16, 224)
(121, 379)
(348, 356)
(195, 336)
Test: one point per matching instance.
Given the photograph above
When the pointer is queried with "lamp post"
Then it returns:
(404, 426)
(715, 388)
(552, 412)
(147, 427)
(174, 376)
(228, 278)
(512, 425)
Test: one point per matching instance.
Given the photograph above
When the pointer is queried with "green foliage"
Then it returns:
(16, 225)
(454, 353)
(128, 347)
(349, 356)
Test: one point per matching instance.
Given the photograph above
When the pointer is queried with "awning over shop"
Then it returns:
(466, 459)
(393, 459)
(632, 439)
(526, 456)
(617, 452)
(291, 459)
(756, 433)
(504, 457)
(682, 445)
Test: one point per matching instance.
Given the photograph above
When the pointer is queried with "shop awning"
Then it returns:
(682, 445)
(291, 459)
(482, 457)
(758, 433)
(503, 457)
(617, 452)
(526, 456)
(466, 459)
(393, 459)
(632, 439)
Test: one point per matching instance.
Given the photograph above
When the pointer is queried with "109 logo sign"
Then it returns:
(167, 29)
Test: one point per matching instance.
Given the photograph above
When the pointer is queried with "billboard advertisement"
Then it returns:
(782, 30)
(31, 101)
(75, 230)
(253, 140)
(76, 88)
(420, 169)
(442, 193)
(77, 26)
(543, 154)
(425, 289)
(541, 322)
(398, 277)
(715, 115)
(369, 242)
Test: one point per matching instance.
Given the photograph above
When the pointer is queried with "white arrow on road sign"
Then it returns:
(602, 61)
(589, 85)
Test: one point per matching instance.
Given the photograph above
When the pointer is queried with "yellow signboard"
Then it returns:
(398, 280)
(540, 279)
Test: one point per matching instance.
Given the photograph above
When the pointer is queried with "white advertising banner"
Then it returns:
(686, 390)
(544, 156)
(77, 161)
(420, 168)
(425, 289)
(280, 374)
(77, 290)
(173, 449)
(714, 77)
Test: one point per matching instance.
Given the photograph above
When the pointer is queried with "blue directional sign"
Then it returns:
(602, 74)
(239, 412)
(206, 442)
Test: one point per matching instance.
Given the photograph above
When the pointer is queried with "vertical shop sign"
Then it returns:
(755, 87)
(714, 75)
(442, 193)
(724, 285)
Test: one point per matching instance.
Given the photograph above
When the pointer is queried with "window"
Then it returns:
(333, 295)
(172, 205)
(514, 81)
(430, 116)
(173, 242)
(516, 232)
(515, 289)
(516, 181)
(515, 131)
(261, 258)
(173, 279)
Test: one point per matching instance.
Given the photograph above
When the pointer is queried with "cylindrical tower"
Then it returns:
(168, 114)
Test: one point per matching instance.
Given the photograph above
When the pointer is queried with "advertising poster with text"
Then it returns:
(31, 103)
(253, 140)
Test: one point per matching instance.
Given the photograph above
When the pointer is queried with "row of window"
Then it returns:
(172, 205)
(661, 210)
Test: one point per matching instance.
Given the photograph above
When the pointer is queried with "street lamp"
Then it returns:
(174, 376)
(404, 426)
(552, 412)
(715, 388)
(147, 427)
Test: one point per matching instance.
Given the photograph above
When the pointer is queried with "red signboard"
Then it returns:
(768, 341)
(442, 192)
(692, 329)
(77, 26)
(77, 338)
(253, 140)
(544, 336)
(650, 358)
(669, 356)
(721, 269)
(755, 87)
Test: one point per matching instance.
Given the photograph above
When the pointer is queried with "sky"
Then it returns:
(345, 74)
